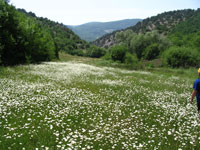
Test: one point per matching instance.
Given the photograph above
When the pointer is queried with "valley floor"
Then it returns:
(74, 105)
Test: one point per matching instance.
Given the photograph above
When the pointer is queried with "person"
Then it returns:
(196, 92)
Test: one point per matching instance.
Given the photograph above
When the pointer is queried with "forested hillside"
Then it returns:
(25, 38)
(187, 32)
(64, 38)
(172, 37)
(94, 30)
(163, 23)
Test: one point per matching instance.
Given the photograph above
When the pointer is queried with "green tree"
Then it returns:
(138, 45)
(145, 44)
(118, 52)
(181, 57)
(124, 37)
(96, 52)
(130, 58)
(23, 39)
(38, 43)
(151, 51)
(10, 36)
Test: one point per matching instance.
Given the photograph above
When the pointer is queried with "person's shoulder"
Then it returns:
(197, 80)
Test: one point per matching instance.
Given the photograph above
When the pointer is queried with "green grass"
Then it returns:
(72, 104)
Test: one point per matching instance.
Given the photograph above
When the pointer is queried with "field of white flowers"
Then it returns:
(72, 106)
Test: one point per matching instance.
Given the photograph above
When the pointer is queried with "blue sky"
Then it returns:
(75, 12)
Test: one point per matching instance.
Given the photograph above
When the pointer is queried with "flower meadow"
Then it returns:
(77, 106)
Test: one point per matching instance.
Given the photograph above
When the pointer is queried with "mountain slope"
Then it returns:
(189, 26)
(187, 33)
(26, 38)
(93, 30)
(22, 38)
(163, 23)
(65, 39)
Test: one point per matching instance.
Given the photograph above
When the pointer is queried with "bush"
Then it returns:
(151, 52)
(118, 52)
(95, 52)
(107, 56)
(77, 52)
(181, 57)
(130, 59)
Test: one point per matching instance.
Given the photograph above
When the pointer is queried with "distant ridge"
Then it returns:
(94, 30)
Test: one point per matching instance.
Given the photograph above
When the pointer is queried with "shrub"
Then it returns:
(77, 52)
(118, 52)
(151, 52)
(107, 56)
(181, 57)
(95, 52)
(130, 59)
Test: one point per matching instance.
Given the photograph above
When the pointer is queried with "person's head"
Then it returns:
(199, 71)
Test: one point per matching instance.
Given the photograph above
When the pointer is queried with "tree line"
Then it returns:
(23, 39)
(174, 50)
(178, 47)
(26, 38)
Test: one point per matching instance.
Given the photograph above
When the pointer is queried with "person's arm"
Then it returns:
(193, 95)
